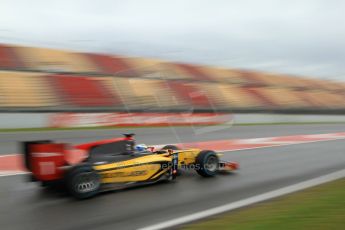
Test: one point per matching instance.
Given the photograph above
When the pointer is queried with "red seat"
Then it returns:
(190, 93)
(84, 91)
(194, 71)
(8, 58)
(112, 65)
(256, 93)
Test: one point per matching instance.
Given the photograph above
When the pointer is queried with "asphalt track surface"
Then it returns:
(27, 206)
(8, 141)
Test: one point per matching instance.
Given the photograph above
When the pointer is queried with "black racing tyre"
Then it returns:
(83, 182)
(172, 147)
(44, 184)
(207, 163)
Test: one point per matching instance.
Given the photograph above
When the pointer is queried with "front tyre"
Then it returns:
(83, 182)
(207, 163)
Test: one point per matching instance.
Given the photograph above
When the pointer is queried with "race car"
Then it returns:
(114, 164)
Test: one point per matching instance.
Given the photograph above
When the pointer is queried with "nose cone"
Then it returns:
(233, 165)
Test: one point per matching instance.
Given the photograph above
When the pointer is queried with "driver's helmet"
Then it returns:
(140, 148)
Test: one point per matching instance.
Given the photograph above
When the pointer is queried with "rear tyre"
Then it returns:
(83, 182)
(172, 147)
(44, 184)
(207, 163)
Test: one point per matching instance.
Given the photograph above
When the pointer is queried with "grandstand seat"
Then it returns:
(328, 85)
(190, 93)
(8, 58)
(267, 79)
(150, 68)
(231, 96)
(323, 99)
(19, 89)
(283, 97)
(84, 91)
(169, 71)
(256, 92)
(143, 64)
(142, 83)
(252, 78)
(113, 65)
(144, 93)
(194, 71)
(243, 98)
(286, 81)
(332, 100)
(225, 75)
(49, 60)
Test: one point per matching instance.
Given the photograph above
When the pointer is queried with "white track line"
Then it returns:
(9, 155)
(280, 145)
(248, 201)
(11, 173)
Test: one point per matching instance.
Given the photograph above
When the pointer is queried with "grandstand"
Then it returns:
(42, 79)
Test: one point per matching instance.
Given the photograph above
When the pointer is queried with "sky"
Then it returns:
(302, 37)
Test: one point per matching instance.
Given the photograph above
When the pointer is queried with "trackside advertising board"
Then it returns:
(60, 120)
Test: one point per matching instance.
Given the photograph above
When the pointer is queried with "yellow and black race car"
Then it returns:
(114, 164)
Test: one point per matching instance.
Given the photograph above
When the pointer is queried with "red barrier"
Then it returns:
(137, 119)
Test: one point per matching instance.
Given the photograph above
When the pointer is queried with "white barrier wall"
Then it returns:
(41, 120)
(285, 118)
(23, 120)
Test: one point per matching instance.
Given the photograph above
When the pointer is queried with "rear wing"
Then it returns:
(44, 159)
(27, 153)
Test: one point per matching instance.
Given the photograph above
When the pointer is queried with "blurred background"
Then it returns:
(43, 79)
(265, 66)
(238, 56)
